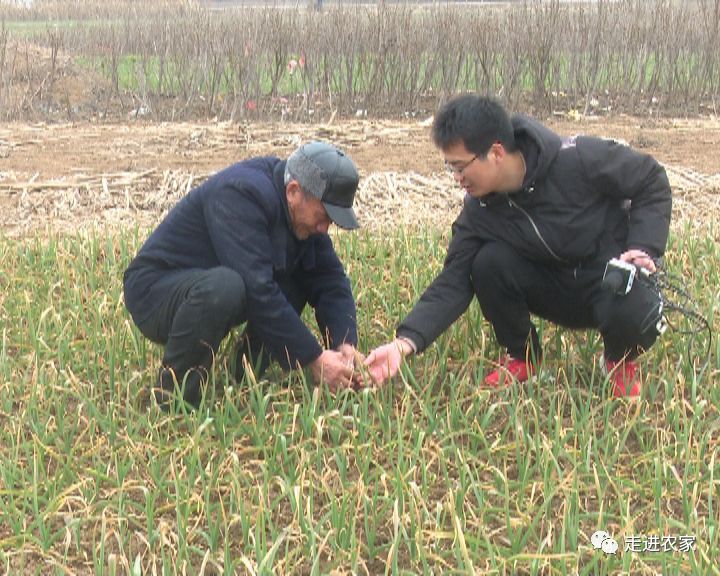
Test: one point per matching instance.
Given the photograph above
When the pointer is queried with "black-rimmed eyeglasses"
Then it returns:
(454, 169)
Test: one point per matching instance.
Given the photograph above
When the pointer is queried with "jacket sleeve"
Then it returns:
(240, 229)
(449, 294)
(329, 293)
(630, 175)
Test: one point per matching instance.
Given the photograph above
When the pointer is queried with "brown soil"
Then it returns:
(73, 175)
(58, 150)
(68, 175)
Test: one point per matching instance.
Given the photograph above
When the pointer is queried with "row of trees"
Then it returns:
(181, 59)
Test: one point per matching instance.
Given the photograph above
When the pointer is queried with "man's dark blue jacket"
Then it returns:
(239, 219)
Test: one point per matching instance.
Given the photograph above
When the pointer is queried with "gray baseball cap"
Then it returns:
(327, 173)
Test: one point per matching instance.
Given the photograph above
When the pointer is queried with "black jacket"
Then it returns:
(583, 199)
(239, 219)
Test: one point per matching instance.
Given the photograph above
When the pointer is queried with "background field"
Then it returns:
(173, 59)
(429, 475)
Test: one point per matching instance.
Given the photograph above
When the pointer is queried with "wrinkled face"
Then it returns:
(477, 174)
(307, 213)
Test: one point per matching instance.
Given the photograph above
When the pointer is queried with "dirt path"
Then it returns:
(72, 175)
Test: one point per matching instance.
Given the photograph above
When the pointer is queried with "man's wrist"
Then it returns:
(406, 345)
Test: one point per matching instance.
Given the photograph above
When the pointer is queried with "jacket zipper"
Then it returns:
(537, 231)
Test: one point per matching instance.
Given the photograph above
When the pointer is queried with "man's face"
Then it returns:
(475, 173)
(307, 213)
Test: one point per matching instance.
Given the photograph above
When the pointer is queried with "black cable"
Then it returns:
(676, 300)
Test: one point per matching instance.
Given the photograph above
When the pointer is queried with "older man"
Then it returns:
(250, 245)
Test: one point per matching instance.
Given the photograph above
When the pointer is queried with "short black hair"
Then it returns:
(476, 121)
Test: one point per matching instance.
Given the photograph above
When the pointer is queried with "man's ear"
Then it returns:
(497, 151)
(292, 189)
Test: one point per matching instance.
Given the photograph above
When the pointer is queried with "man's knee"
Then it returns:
(223, 293)
(492, 266)
(633, 318)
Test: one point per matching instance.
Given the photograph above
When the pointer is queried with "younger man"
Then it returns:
(543, 215)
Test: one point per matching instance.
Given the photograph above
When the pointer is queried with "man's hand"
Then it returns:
(334, 368)
(349, 352)
(384, 362)
(355, 358)
(639, 258)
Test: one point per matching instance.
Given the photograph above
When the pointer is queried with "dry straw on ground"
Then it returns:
(402, 183)
(385, 199)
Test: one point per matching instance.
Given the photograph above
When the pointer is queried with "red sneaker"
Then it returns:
(625, 376)
(510, 369)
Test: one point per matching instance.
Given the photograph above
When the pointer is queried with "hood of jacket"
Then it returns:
(539, 146)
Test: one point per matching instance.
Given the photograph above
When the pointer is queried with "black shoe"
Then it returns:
(169, 390)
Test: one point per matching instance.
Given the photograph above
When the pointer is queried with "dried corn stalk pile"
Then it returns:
(88, 194)
(385, 199)
(142, 198)
(696, 197)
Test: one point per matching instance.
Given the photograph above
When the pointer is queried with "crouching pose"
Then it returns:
(250, 245)
(543, 216)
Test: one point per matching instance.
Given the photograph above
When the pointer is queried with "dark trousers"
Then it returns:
(198, 309)
(510, 287)
(251, 348)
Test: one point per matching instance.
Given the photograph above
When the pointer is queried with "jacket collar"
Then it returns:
(285, 239)
(279, 183)
(538, 144)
